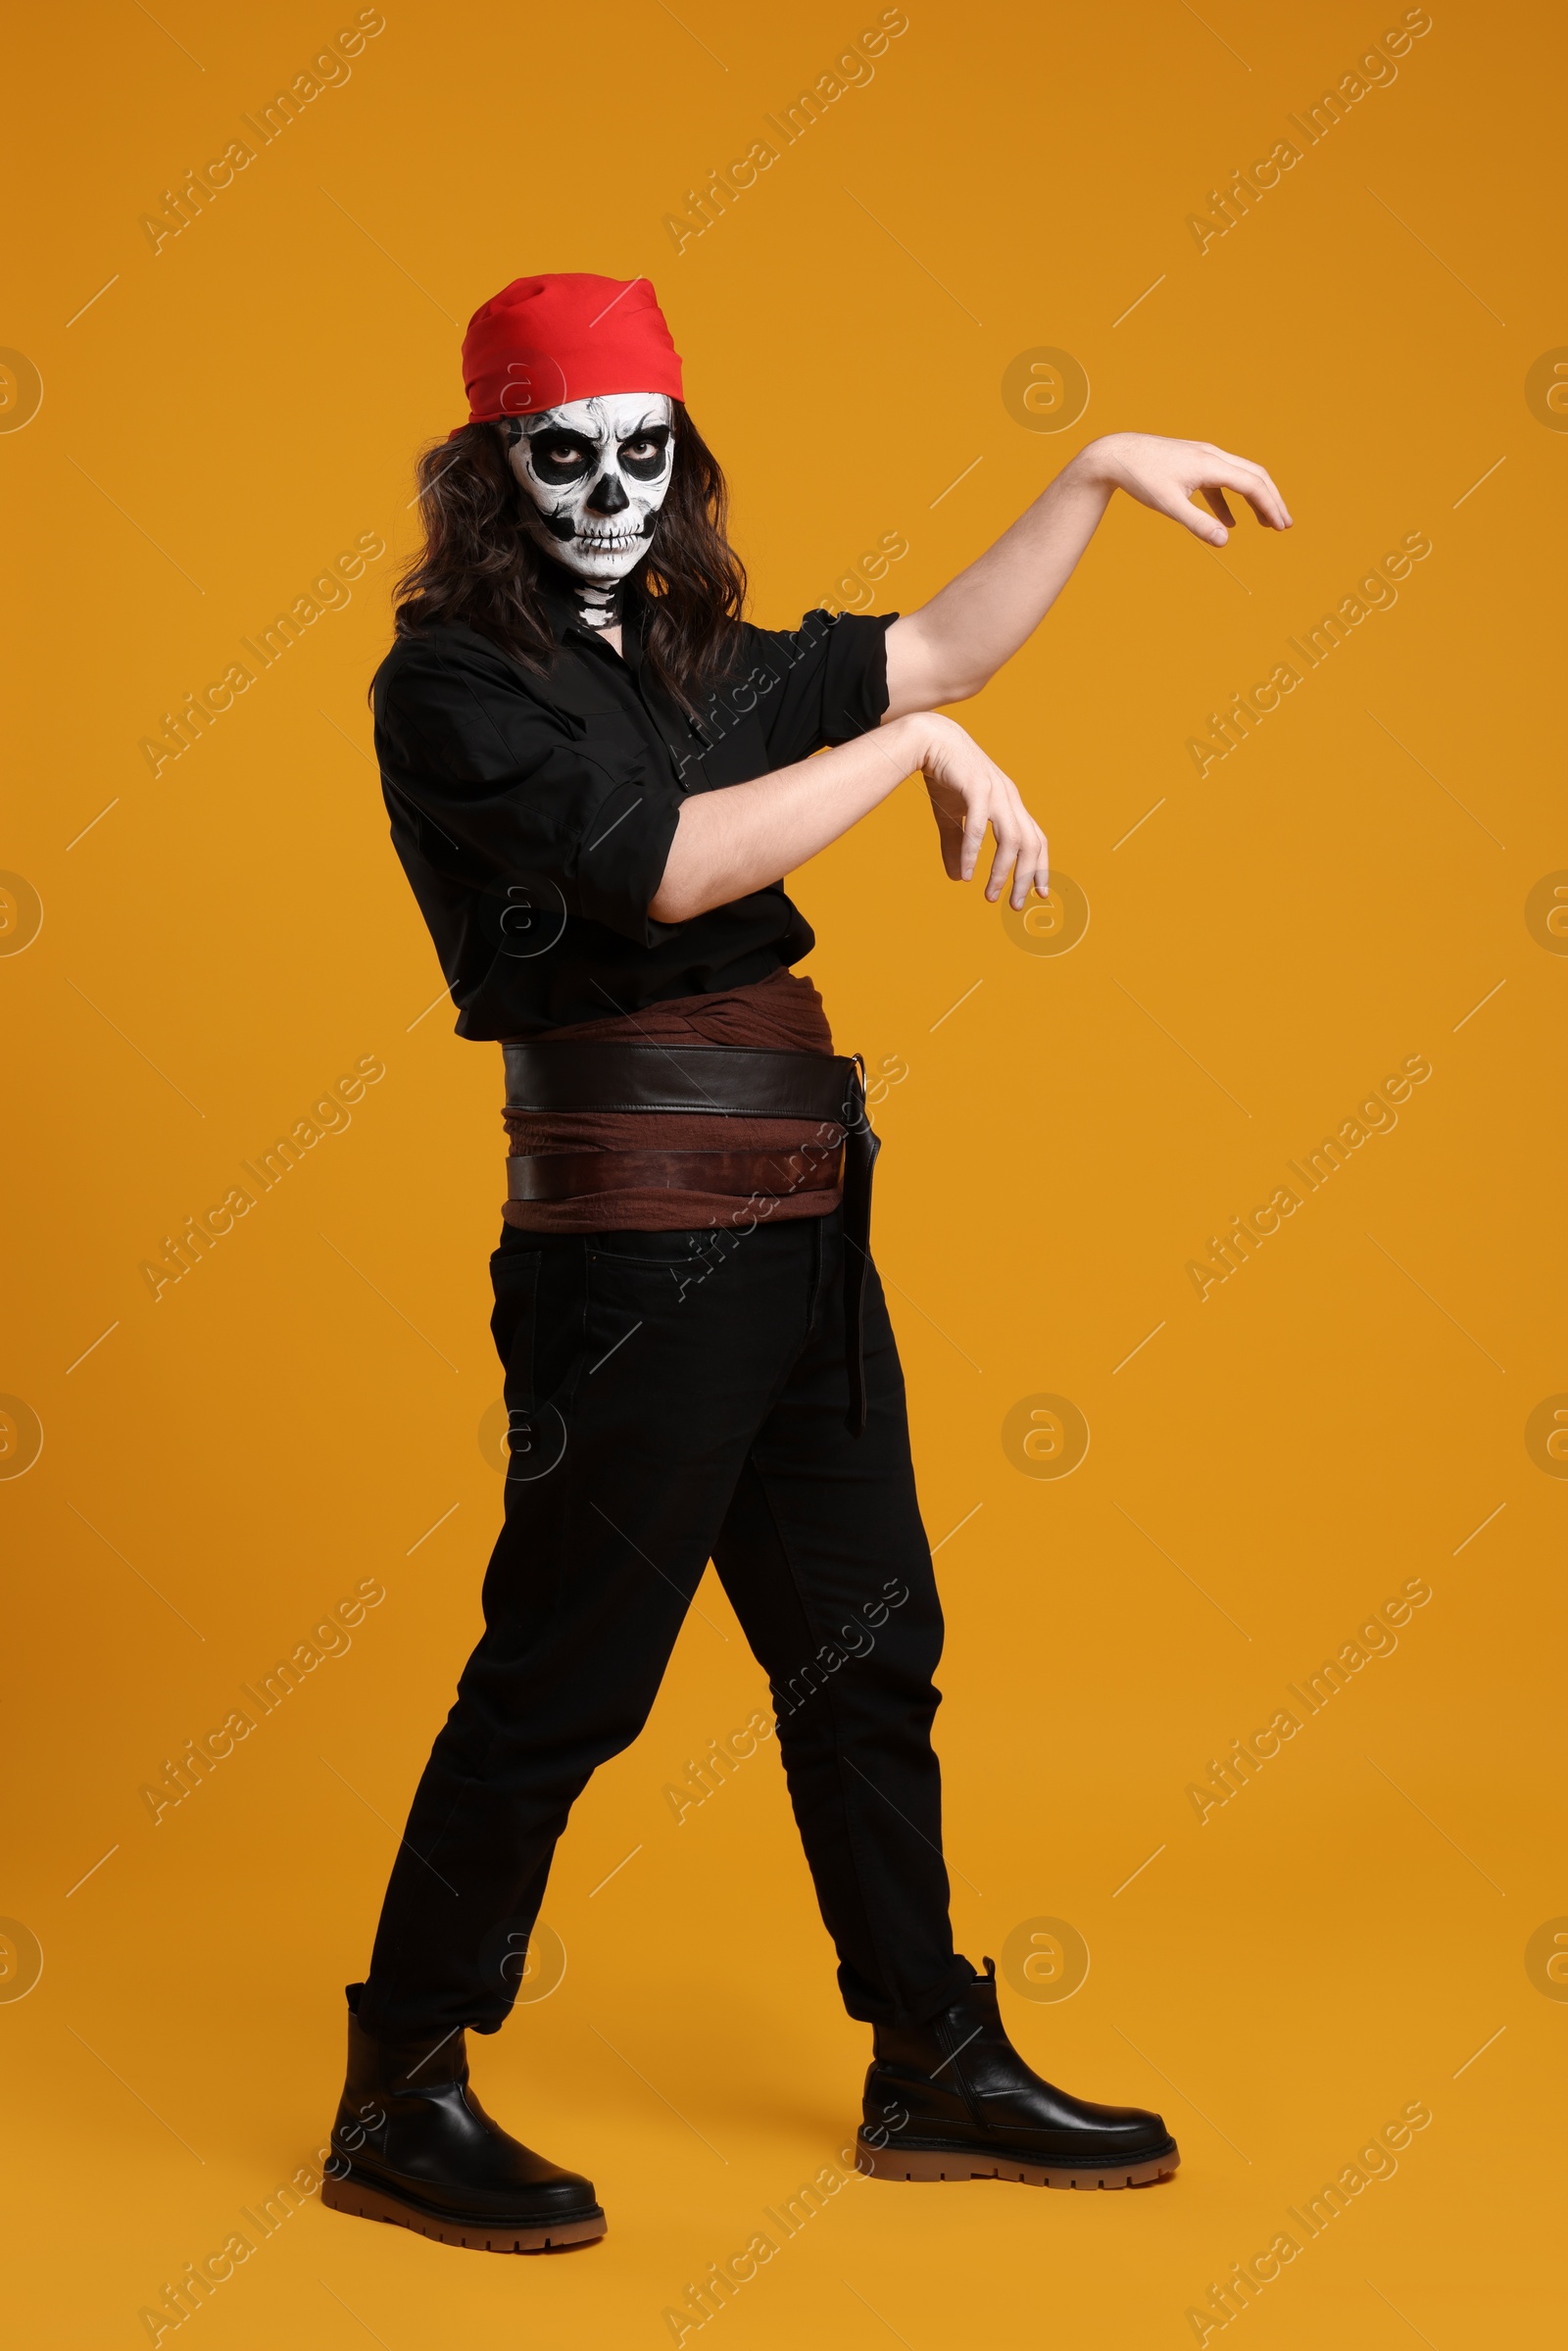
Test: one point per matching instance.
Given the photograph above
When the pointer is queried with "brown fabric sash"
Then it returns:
(566, 1175)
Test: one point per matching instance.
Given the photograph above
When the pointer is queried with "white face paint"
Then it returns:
(595, 473)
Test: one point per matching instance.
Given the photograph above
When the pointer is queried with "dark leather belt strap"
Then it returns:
(724, 1081)
(720, 1081)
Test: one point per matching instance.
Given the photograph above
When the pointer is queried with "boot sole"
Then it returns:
(958, 2163)
(368, 2203)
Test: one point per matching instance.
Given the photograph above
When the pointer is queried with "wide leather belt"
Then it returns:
(719, 1081)
(726, 1081)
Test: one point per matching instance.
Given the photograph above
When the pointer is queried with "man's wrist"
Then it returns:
(906, 739)
(1095, 467)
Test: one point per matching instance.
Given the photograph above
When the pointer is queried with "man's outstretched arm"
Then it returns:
(953, 645)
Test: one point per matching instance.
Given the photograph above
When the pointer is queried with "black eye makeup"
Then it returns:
(644, 456)
(560, 457)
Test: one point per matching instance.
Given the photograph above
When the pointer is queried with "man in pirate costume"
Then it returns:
(596, 773)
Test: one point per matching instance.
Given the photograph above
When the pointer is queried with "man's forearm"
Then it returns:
(744, 836)
(947, 650)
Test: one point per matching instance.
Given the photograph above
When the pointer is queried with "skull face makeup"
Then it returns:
(595, 474)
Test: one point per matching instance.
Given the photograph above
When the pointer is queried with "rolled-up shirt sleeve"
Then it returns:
(825, 682)
(501, 780)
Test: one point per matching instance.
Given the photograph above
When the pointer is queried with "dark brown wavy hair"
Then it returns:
(479, 563)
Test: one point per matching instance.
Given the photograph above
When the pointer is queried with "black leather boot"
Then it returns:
(412, 2145)
(953, 2099)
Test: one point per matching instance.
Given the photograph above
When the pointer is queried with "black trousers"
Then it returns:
(676, 1398)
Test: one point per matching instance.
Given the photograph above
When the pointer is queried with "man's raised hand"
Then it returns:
(1168, 475)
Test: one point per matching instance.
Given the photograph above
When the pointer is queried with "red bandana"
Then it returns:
(544, 341)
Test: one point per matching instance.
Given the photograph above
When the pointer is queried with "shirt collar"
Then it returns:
(680, 737)
(560, 609)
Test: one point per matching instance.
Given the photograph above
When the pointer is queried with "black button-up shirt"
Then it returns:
(534, 814)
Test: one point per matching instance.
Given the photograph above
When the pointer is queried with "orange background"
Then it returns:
(302, 1412)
